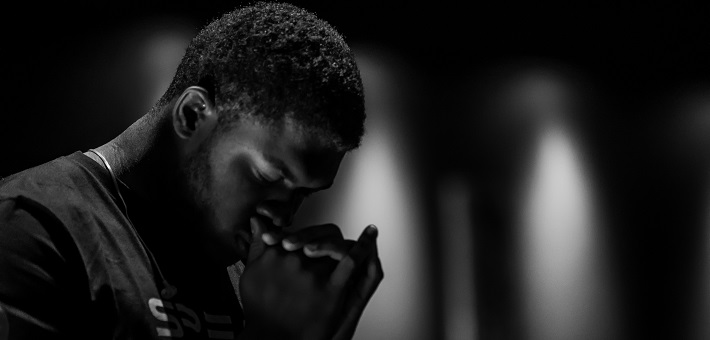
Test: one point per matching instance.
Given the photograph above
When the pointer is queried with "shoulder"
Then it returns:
(70, 188)
(43, 207)
(70, 197)
(61, 215)
(67, 175)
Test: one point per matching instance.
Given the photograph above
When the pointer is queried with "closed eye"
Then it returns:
(305, 193)
(266, 179)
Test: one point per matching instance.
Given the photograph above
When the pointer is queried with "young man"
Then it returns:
(133, 239)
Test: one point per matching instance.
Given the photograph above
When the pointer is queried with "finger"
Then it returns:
(367, 285)
(257, 246)
(363, 291)
(364, 246)
(271, 238)
(335, 250)
(352, 316)
(296, 240)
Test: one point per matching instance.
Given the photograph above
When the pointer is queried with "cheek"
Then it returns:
(234, 199)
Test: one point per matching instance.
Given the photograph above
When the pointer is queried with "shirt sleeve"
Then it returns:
(34, 302)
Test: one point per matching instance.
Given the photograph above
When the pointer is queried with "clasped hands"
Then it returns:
(308, 284)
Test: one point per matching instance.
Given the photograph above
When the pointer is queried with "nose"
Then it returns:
(279, 212)
(280, 206)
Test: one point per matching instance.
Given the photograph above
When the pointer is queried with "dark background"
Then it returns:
(57, 56)
(63, 91)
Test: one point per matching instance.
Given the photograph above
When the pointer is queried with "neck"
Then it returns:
(145, 158)
(142, 156)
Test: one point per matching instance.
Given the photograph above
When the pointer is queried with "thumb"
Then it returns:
(257, 246)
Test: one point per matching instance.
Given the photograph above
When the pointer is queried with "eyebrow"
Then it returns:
(277, 163)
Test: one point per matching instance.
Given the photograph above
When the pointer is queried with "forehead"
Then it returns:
(285, 144)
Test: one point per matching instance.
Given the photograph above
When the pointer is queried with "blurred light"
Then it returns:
(458, 283)
(566, 282)
(163, 49)
(557, 244)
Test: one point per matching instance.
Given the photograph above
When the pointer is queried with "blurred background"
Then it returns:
(537, 170)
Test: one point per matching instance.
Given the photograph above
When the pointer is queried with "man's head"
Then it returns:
(264, 105)
(275, 61)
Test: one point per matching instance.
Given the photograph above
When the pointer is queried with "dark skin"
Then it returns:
(233, 196)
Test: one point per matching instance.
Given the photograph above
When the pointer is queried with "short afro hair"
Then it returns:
(275, 61)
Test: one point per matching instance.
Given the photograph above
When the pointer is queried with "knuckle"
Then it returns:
(348, 262)
(332, 228)
(292, 261)
(269, 254)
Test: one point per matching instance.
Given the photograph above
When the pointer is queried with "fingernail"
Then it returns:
(372, 230)
(269, 239)
(309, 249)
(289, 244)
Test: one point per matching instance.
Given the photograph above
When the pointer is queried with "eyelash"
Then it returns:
(261, 178)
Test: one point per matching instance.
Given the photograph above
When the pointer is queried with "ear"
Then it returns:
(193, 112)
